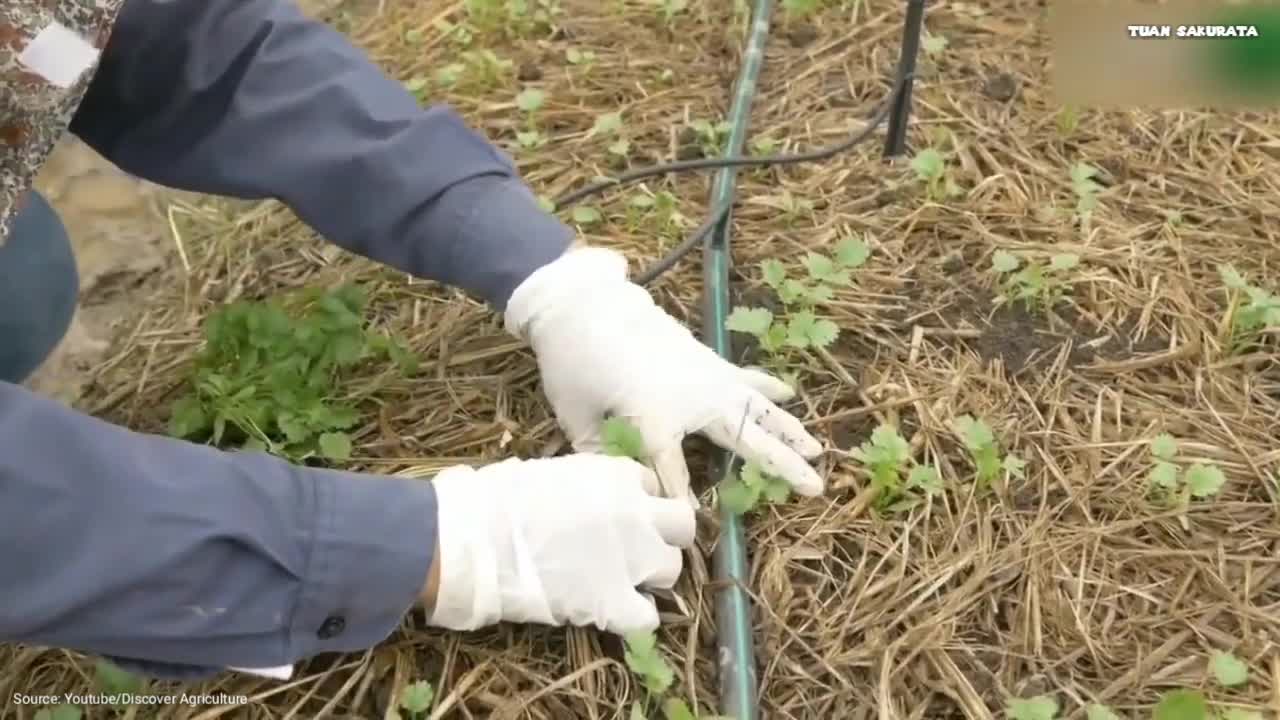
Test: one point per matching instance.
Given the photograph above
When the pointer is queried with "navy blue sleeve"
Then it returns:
(184, 557)
(252, 99)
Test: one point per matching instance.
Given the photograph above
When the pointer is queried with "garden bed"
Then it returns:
(1064, 577)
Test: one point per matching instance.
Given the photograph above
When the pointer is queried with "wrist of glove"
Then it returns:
(604, 347)
(556, 541)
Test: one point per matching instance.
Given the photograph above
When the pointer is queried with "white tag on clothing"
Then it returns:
(283, 672)
(59, 55)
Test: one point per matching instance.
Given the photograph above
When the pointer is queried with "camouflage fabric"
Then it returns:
(37, 96)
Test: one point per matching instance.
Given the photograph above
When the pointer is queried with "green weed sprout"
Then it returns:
(530, 101)
(1200, 480)
(267, 378)
(417, 698)
(584, 59)
(1036, 285)
(800, 328)
(743, 493)
(887, 455)
(931, 167)
(1259, 310)
(1040, 707)
(980, 441)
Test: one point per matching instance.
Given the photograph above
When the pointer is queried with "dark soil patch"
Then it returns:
(802, 35)
(1001, 87)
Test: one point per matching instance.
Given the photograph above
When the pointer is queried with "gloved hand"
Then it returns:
(556, 541)
(603, 346)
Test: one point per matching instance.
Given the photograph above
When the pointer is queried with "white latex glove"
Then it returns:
(604, 347)
(565, 540)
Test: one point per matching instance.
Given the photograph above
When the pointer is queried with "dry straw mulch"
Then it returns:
(1071, 582)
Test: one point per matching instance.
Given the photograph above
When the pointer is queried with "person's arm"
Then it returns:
(150, 549)
(252, 99)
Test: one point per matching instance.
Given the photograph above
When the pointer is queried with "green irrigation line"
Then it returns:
(738, 680)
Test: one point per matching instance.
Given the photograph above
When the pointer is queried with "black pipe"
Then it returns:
(896, 142)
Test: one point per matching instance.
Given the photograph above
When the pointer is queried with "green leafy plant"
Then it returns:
(798, 9)
(111, 679)
(934, 45)
(1096, 711)
(1228, 669)
(656, 677)
(887, 456)
(416, 698)
(793, 208)
(1182, 705)
(530, 101)
(712, 136)
(623, 439)
(1036, 285)
(586, 215)
(1086, 190)
(988, 464)
(1067, 120)
(1259, 311)
(584, 59)
(742, 493)
(1200, 480)
(801, 328)
(267, 379)
(930, 166)
(485, 69)
(1040, 707)
(660, 211)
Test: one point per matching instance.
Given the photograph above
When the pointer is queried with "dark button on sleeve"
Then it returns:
(332, 627)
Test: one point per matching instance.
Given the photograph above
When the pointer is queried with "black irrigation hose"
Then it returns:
(670, 259)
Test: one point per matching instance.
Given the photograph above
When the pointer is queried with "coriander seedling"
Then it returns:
(267, 378)
(985, 453)
(1067, 120)
(712, 136)
(1086, 190)
(1259, 311)
(623, 439)
(530, 101)
(801, 328)
(1096, 711)
(887, 455)
(1200, 480)
(582, 58)
(1036, 285)
(933, 45)
(743, 493)
(660, 210)
(417, 698)
(799, 9)
(585, 215)
(1228, 670)
(486, 68)
(1182, 705)
(931, 167)
(1041, 707)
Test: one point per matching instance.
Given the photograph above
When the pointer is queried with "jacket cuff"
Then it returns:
(372, 545)
(504, 236)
